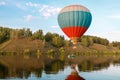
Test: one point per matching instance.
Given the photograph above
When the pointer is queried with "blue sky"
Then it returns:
(42, 14)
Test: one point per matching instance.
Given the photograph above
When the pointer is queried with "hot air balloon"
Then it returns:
(74, 20)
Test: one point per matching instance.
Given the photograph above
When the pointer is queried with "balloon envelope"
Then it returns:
(74, 20)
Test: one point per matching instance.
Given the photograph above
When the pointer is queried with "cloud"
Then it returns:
(44, 10)
(2, 3)
(115, 16)
(48, 11)
(32, 4)
(29, 17)
(54, 26)
(18, 5)
(46, 14)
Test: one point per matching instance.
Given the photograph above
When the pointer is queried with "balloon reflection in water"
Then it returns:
(74, 74)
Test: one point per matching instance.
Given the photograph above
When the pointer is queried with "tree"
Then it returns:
(50, 53)
(48, 36)
(90, 41)
(20, 33)
(28, 33)
(62, 53)
(87, 41)
(57, 41)
(38, 35)
(67, 43)
(116, 44)
(4, 34)
(2, 37)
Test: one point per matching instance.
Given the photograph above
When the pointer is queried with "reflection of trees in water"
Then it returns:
(38, 72)
(26, 73)
(116, 62)
(54, 67)
(19, 73)
(3, 71)
(91, 66)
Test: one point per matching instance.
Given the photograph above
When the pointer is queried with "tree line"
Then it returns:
(116, 44)
(90, 40)
(55, 39)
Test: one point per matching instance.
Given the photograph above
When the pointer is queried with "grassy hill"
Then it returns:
(20, 40)
(22, 44)
(19, 45)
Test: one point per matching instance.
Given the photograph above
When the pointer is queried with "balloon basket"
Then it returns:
(74, 47)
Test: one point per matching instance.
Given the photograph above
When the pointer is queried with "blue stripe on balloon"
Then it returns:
(75, 18)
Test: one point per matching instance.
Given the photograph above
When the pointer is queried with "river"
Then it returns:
(59, 70)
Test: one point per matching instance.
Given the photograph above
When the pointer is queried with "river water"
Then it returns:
(57, 69)
(110, 73)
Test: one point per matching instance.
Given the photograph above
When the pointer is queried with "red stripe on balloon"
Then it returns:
(74, 31)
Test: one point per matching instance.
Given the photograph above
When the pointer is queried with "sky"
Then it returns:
(42, 14)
